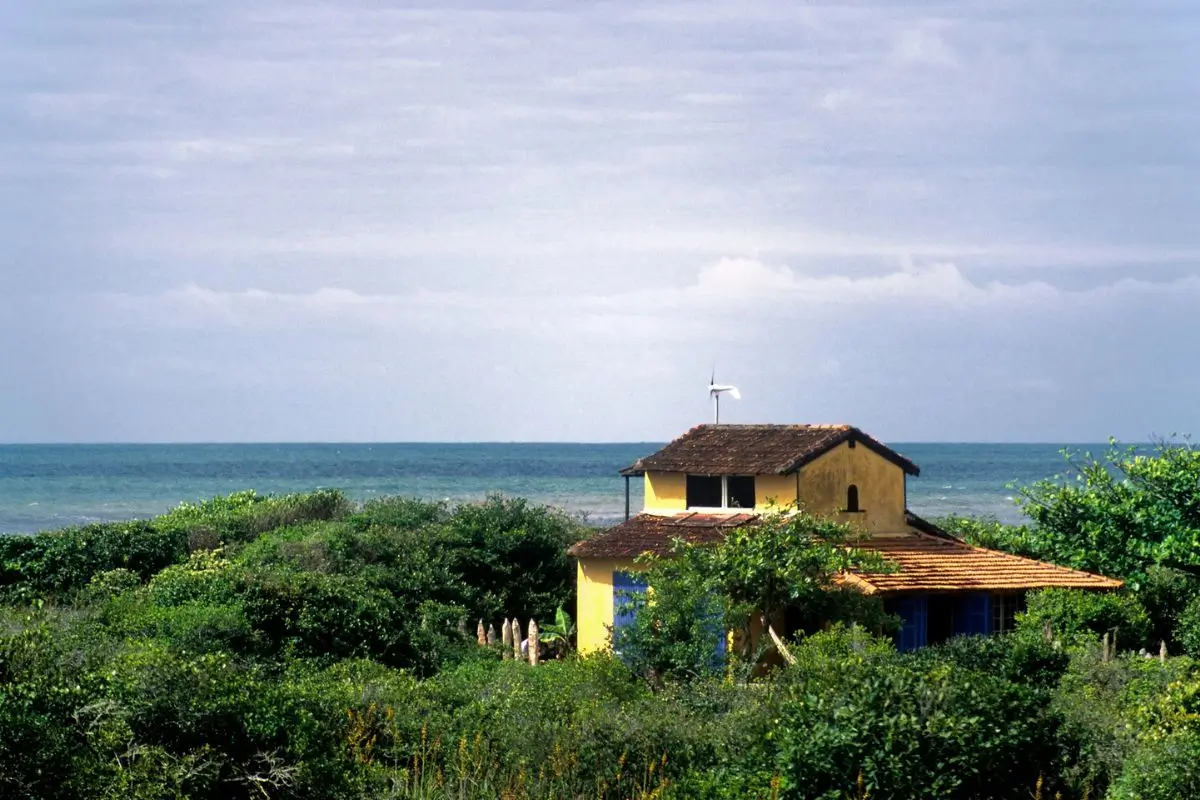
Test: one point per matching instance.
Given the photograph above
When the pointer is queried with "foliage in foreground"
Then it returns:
(302, 647)
(785, 566)
(1128, 514)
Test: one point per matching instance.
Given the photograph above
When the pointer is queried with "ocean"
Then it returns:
(51, 486)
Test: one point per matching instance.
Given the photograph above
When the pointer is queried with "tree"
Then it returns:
(1120, 514)
(781, 562)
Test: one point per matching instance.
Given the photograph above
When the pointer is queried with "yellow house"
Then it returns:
(718, 477)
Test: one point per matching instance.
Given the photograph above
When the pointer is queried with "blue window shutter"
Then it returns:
(913, 612)
(974, 615)
(625, 585)
(718, 627)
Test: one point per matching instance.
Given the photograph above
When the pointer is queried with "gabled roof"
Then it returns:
(757, 450)
(928, 559)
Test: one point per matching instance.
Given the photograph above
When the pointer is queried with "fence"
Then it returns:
(510, 641)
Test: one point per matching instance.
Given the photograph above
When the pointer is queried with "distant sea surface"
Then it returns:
(51, 486)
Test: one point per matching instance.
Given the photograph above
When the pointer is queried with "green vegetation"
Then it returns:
(1125, 514)
(305, 647)
(787, 566)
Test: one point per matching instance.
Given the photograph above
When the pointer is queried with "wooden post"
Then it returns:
(1104, 648)
(491, 634)
(462, 627)
(1047, 632)
(778, 642)
(506, 639)
(533, 643)
(1162, 652)
(481, 634)
(516, 639)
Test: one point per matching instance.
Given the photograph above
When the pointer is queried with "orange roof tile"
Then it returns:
(928, 559)
(933, 564)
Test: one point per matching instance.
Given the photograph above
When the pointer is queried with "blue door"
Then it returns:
(626, 587)
(913, 613)
(973, 616)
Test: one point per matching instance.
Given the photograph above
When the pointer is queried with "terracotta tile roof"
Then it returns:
(654, 533)
(929, 559)
(929, 564)
(757, 449)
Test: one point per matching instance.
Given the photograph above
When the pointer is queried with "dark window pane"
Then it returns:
(741, 491)
(852, 499)
(703, 491)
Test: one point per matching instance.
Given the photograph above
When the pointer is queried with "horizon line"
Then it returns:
(545, 442)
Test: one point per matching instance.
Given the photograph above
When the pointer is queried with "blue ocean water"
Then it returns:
(50, 486)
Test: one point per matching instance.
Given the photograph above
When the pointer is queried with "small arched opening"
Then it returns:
(852, 499)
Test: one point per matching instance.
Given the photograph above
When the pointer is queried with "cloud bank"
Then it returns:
(307, 220)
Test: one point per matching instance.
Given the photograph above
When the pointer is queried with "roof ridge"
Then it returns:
(775, 425)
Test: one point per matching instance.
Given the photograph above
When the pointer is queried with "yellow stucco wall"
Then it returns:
(666, 491)
(824, 482)
(594, 614)
(774, 491)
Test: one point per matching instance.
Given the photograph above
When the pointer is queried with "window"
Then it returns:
(1005, 608)
(717, 491)
(704, 491)
(942, 613)
(852, 498)
(739, 491)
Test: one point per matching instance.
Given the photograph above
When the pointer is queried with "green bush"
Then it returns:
(991, 533)
(60, 563)
(511, 557)
(1024, 659)
(244, 516)
(1165, 594)
(306, 614)
(1187, 630)
(906, 730)
(1163, 769)
(1076, 616)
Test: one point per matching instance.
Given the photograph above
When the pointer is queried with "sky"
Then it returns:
(282, 220)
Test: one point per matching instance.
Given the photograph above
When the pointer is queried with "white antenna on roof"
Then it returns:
(715, 390)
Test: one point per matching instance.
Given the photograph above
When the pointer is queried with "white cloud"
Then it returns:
(925, 45)
(728, 286)
(529, 190)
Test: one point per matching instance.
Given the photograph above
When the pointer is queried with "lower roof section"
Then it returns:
(927, 558)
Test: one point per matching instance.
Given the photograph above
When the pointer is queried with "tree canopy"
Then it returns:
(784, 561)
(1118, 514)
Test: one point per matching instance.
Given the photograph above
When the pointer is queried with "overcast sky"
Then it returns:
(284, 220)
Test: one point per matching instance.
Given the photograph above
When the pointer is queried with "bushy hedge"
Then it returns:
(322, 658)
(1073, 615)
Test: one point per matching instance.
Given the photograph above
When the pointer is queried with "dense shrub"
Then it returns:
(906, 727)
(1162, 769)
(1076, 616)
(60, 563)
(243, 516)
(1165, 593)
(1024, 659)
(250, 647)
(991, 533)
(512, 557)
(1187, 628)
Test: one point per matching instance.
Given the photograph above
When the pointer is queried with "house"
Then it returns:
(715, 478)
